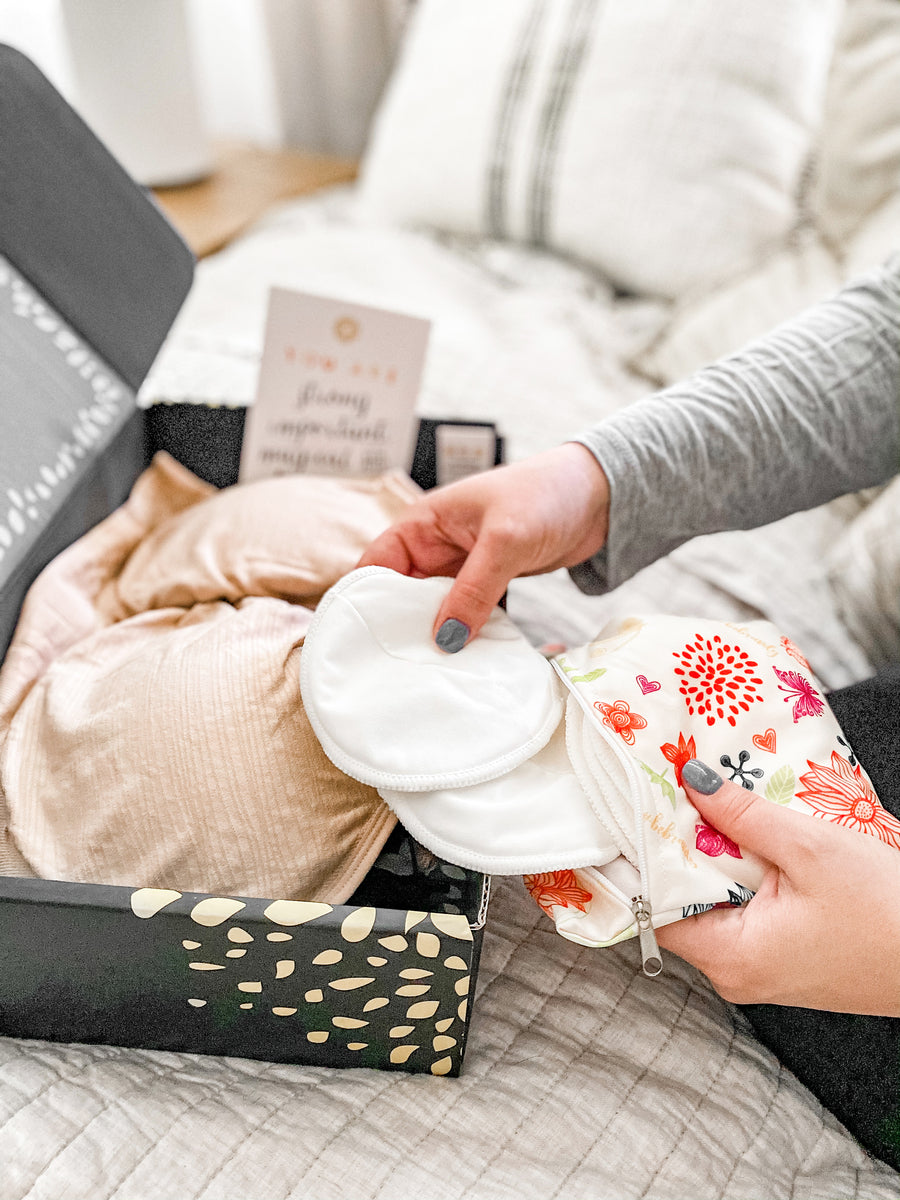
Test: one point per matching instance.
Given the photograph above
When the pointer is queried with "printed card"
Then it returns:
(337, 389)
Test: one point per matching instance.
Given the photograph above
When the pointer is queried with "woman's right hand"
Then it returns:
(545, 512)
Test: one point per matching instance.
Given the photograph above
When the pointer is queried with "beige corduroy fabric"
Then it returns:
(152, 743)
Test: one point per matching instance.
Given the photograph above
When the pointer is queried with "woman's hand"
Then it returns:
(545, 512)
(823, 931)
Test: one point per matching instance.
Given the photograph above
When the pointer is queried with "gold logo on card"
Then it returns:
(346, 329)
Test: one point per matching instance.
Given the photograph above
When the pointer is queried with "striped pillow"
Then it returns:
(664, 143)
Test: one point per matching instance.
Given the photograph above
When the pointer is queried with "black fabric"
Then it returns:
(205, 440)
(852, 1063)
(208, 441)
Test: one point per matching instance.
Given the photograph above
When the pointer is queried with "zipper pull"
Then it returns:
(649, 946)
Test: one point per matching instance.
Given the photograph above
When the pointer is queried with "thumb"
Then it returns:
(389, 549)
(477, 589)
(744, 816)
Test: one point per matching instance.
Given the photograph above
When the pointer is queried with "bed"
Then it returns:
(582, 1078)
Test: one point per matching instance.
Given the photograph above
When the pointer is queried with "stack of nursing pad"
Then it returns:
(569, 771)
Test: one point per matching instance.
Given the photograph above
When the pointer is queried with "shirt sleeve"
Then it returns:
(805, 414)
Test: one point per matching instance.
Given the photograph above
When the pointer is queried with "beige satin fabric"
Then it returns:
(292, 536)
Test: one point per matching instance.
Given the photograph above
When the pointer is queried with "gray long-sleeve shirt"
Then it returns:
(808, 413)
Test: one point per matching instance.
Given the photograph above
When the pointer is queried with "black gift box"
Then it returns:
(91, 277)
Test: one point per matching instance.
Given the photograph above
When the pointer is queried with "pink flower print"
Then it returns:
(620, 719)
(794, 651)
(841, 793)
(807, 701)
(718, 679)
(713, 843)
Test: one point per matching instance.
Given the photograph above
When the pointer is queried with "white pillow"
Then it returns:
(664, 142)
(722, 321)
(863, 569)
(877, 238)
(859, 155)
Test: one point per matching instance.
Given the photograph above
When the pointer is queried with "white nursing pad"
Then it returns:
(394, 711)
(491, 827)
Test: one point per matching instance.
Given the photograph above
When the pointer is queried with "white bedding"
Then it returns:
(582, 1077)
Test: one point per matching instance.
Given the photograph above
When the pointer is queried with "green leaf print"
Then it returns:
(661, 781)
(781, 785)
(588, 678)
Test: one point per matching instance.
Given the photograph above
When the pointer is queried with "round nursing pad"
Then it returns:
(394, 711)
(534, 818)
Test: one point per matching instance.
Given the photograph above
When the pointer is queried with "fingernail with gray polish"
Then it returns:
(700, 777)
(452, 635)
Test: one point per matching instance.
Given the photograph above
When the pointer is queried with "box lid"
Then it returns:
(91, 277)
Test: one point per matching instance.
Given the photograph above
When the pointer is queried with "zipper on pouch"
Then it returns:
(643, 916)
(650, 956)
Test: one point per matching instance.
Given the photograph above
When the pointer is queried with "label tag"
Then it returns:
(337, 389)
(462, 450)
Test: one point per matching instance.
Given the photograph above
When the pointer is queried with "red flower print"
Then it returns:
(791, 648)
(718, 679)
(559, 888)
(807, 701)
(680, 754)
(620, 719)
(713, 843)
(842, 794)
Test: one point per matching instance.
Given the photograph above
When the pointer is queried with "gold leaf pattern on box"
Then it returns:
(321, 977)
